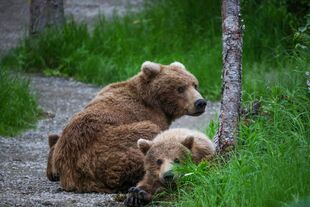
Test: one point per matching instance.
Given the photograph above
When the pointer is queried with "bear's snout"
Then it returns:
(169, 176)
(200, 106)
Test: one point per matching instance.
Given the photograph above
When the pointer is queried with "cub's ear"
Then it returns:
(178, 64)
(144, 145)
(150, 68)
(188, 142)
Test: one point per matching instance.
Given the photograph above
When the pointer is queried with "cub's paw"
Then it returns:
(137, 197)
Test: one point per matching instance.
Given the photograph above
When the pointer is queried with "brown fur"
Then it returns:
(52, 139)
(168, 148)
(97, 151)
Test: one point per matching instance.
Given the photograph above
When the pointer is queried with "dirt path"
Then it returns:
(23, 158)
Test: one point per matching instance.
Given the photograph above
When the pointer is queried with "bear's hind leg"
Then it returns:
(127, 172)
(121, 163)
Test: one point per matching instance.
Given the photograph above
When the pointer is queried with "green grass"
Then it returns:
(183, 30)
(18, 107)
(271, 164)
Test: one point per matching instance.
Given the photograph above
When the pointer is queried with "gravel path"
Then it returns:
(23, 158)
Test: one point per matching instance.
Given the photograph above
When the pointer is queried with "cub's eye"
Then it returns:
(181, 89)
(177, 161)
(159, 162)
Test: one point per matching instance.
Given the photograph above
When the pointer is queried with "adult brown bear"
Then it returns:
(97, 150)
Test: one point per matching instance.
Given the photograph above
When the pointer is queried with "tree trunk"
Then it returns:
(45, 13)
(225, 139)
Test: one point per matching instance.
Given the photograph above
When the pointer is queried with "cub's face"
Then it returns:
(174, 89)
(161, 157)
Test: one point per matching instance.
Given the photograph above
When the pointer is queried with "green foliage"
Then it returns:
(190, 33)
(212, 128)
(271, 164)
(18, 108)
(302, 36)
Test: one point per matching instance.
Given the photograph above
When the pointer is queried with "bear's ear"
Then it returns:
(188, 142)
(144, 145)
(150, 68)
(178, 64)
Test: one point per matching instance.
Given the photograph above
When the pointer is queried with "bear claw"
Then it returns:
(136, 197)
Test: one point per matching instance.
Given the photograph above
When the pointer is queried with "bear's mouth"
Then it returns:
(197, 113)
(169, 183)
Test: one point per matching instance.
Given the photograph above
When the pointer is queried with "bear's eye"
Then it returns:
(196, 86)
(159, 162)
(181, 89)
(177, 161)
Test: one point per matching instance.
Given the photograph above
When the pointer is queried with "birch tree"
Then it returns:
(45, 13)
(232, 32)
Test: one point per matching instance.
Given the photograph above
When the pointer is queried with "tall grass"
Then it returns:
(165, 31)
(18, 107)
(271, 164)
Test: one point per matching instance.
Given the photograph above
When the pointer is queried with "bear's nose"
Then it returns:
(168, 176)
(200, 104)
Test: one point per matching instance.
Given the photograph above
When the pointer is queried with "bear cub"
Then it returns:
(166, 149)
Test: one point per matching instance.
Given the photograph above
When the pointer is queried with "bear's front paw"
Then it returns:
(137, 197)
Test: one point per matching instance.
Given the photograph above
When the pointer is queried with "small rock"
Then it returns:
(59, 190)
(119, 197)
(17, 159)
(47, 114)
(47, 203)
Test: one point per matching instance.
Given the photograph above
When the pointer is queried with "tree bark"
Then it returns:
(225, 138)
(45, 13)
